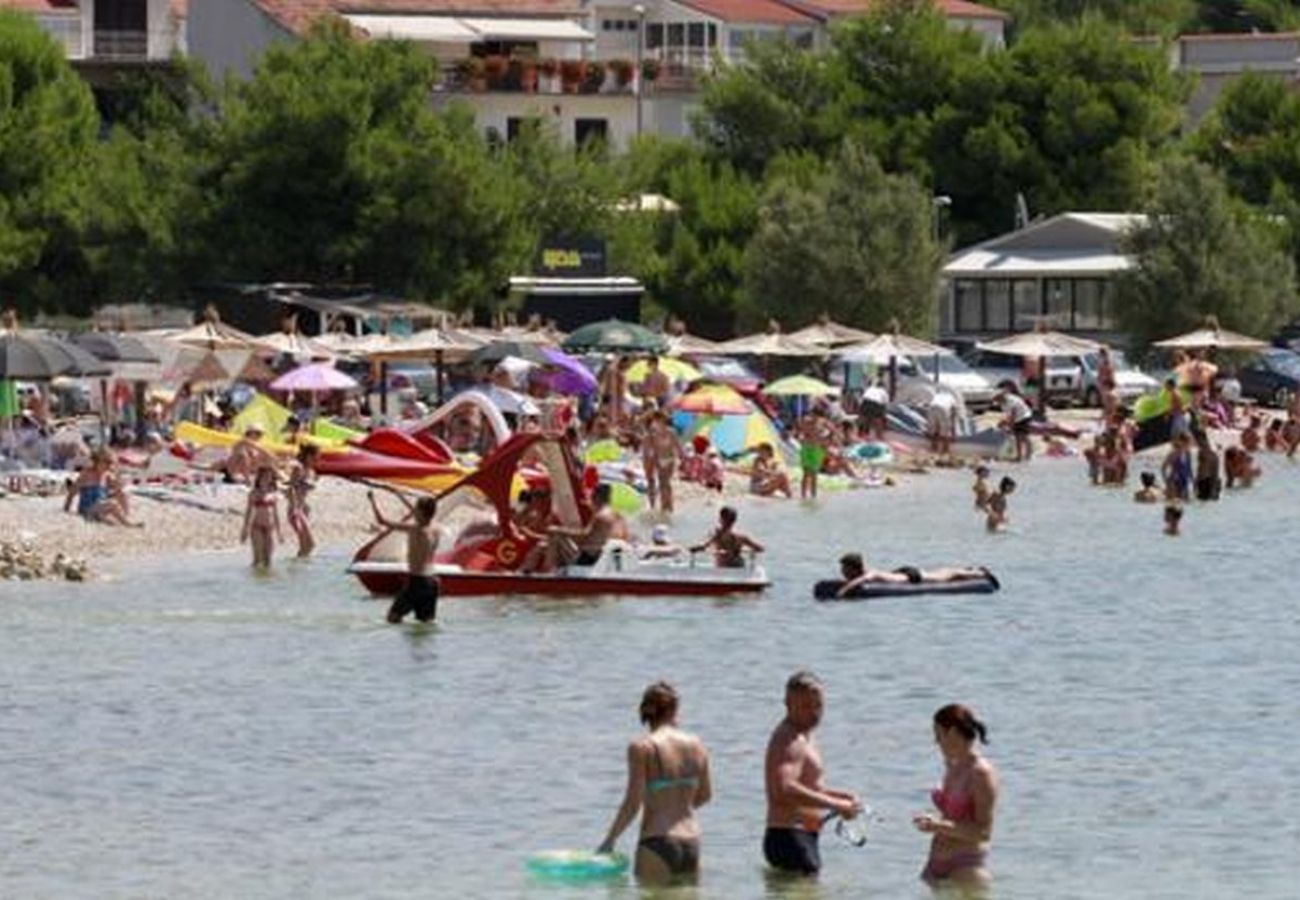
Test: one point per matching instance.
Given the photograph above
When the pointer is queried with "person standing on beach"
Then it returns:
(262, 517)
(814, 435)
(420, 595)
(965, 801)
(302, 481)
(668, 777)
(797, 796)
(661, 451)
(1017, 418)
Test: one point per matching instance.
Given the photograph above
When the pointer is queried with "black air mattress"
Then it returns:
(826, 590)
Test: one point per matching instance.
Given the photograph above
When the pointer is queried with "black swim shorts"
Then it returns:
(912, 572)
(792, 850)
(420, 596)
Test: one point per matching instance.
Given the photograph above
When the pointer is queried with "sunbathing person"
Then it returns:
(855, 573)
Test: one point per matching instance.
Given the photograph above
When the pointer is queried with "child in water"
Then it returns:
(997, 505)
(1177, 470)
(1173, 518)
(262, 517)
(1250, 436)
(1148, 492)
(981, 489)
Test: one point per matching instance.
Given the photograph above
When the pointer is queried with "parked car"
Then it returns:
(1130, 381)
(1064, 373)
(1272, 378)
(976, 391)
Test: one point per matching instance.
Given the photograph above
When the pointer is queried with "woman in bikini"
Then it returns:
(661, 451)
(302, 481)
(668, 777)
(262, 518)
(965, 801)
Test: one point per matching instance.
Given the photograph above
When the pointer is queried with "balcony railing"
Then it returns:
(572, 76)
(123, 45)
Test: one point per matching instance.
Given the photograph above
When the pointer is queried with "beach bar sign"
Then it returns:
(582, 257)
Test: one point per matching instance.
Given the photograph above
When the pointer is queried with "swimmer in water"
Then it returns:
(1148, 493)
(728, 545)
(1173, 519)
(997, 508)
(981, 489)
(667, 780)
(854, 571)
(966, 800)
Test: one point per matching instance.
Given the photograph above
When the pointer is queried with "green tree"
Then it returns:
(1203, 252)
(1136, 16)
(1252, 136)
(47, 135)
(329, 165)
(852, 241)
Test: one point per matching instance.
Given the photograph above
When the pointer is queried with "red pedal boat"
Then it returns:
(486, 557)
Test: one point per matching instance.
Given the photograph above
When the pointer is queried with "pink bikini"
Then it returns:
(956, 807)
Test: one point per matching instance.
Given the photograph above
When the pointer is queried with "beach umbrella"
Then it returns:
(315, 378)
(291, 343)
(496, 351)
(613, 336)
(1040, 344)
(689, 344)
(885, 349)
(207, 372)
(800, 386)
(29, 357)
(568, 375)
(255, 371)
(1212, 337)
(677, 370)
(714, 400)
(734, 435)
(526, 335)
(213, 334)
(825, 333)
(112, 347)
(770, 343)
(338, 343)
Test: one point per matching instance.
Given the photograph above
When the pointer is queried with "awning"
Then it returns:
(432, 29)
(1041, 264)
(455, 30)
(529, 30)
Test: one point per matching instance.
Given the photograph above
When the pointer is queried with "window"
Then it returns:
(633, 25)
(696, 34)
(1089, 305)
(1026, 305)
(967, 300)
(713, 35)
(516, 125)
(620, 25)
(801, 38)
(1059, 303)
(997, 305)
(677, 35)
(586, 131)
(606, 25)
(654, 36)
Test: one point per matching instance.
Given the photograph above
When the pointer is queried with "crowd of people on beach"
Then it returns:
(669, 777)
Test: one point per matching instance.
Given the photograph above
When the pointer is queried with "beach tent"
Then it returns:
(263, 412)
(736, 435)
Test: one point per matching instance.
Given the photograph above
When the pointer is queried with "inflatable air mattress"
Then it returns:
(826, 590)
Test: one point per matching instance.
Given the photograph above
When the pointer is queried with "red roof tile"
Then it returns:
(761, 12)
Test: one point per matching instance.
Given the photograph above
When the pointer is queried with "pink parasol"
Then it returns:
(317, 378)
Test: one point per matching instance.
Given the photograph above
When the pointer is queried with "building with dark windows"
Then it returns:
(1060, 272)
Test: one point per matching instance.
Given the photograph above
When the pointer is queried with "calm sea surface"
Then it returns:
(189, 730)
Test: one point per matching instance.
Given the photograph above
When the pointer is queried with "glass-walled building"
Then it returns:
(1059, 272)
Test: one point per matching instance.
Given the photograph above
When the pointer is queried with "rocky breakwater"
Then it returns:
(21, 561)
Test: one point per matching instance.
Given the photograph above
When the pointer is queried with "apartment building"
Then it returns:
(110, 34)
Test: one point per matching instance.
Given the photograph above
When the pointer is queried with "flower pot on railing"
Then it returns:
(623, 71)
(548, 75)
(573, 72)
(469, 71)
(594, 79)
(494, 70)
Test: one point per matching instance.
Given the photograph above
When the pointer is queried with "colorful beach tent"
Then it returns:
(735, 435)
(263, 412)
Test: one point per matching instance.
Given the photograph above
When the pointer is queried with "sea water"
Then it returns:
(188, 729)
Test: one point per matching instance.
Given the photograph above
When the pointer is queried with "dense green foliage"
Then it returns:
(1203, 252)
(806, 187)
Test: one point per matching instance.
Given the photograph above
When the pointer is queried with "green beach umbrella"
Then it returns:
(613, 336)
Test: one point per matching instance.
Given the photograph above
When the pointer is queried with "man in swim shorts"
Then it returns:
(814, 435)
(854, 571)
(420, 594)
(797, 797)
(580, 546)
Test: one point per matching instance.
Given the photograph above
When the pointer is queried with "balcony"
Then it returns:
(121, 45)
(492, 74)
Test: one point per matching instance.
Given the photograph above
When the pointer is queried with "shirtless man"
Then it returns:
(728, 545)
(656, 386)
(420, 595)
(855, 573)
(797, 796)
(582, 546)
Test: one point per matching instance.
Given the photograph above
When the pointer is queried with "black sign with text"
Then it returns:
(572, 257)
